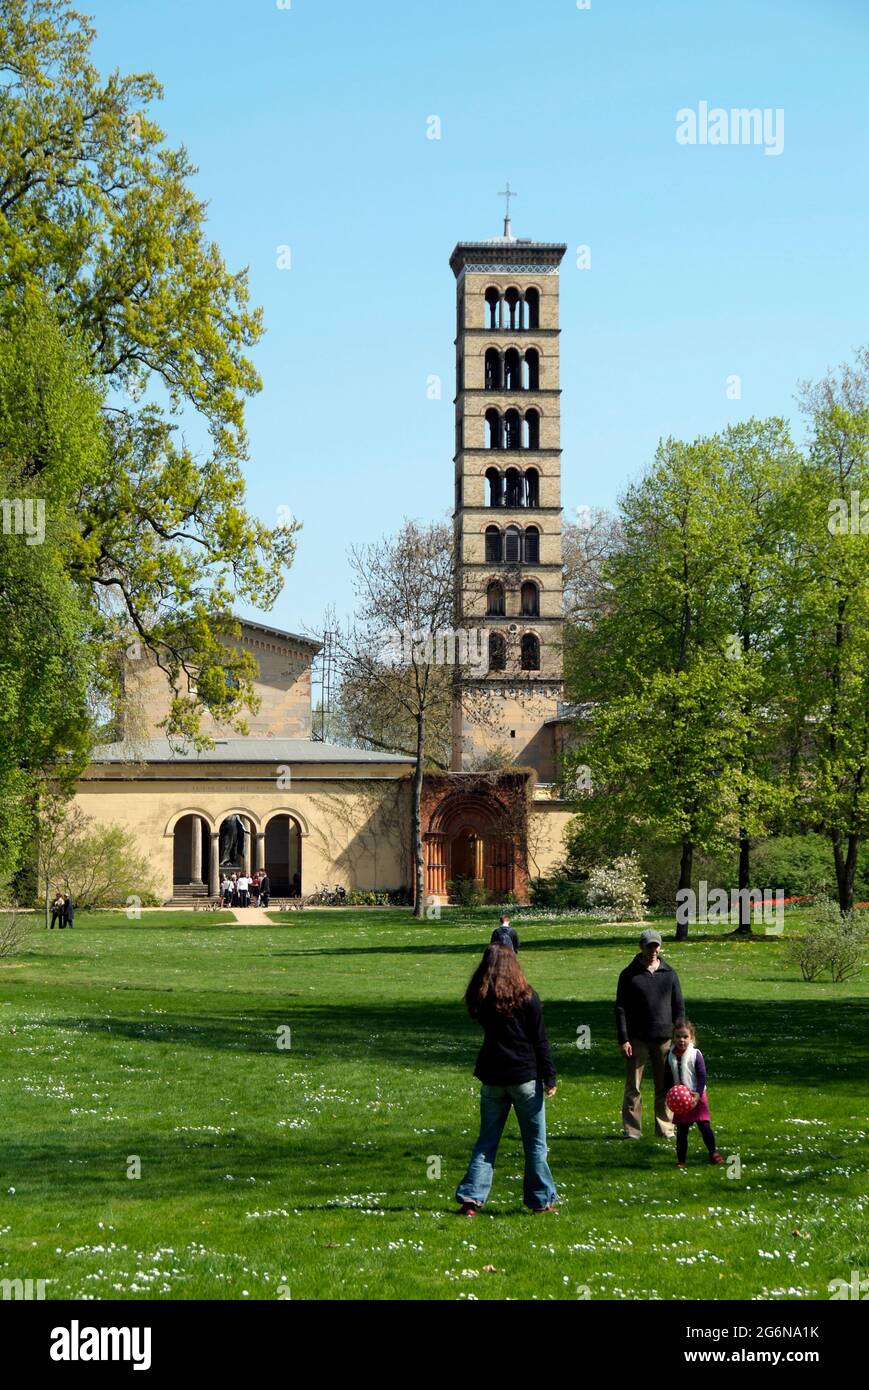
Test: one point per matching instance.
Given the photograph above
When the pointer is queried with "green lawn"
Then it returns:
(312, 1168)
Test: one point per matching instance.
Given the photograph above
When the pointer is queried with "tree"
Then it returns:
(99, 865)
(666, 721)
(52, 447)
(393, 653)
(760, 464)
(97, 214)
(586, 547)
(831, 613)
(362, 718)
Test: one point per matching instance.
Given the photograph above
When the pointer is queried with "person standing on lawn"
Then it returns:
(688, 1068)
(515, 1068)
(649, 1004)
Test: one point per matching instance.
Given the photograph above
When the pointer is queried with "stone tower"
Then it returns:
(507, 518)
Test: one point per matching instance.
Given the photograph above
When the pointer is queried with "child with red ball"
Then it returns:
(688, 1068)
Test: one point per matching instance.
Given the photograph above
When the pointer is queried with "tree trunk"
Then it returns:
(686, 864)
(744, 928)
(416, 822)
(846, 869)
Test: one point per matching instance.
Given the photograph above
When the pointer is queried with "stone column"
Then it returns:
(196, 849)
(479, 869)
(214, 865)
(293, 845)
(247, 834)
(260, 850)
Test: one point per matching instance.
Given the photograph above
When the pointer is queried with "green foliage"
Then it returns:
(466, 892)
(833, 941)
(676, 660)
(52, 448)
(100, 865)
(357, 897)
(558, 891)
(800, 865)
(98, 215)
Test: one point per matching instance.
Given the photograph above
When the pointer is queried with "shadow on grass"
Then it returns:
(295, 1171)
(778, 1042)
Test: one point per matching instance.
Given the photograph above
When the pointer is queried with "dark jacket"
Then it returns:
(505, 936)
(515, 1048)
(648, 1005)
(68, 910)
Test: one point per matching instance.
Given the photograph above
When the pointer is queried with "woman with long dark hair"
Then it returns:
(515, 1068)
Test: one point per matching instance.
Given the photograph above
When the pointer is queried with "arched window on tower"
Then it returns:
(532, 487)
(497, 652)
(532, 546)
(495, 607)
(513, 482)
(512, 430)
(532, 429)
(512, 309)
(530, 652)
(493, 429)
(532, 308)
(513, 545)
(493, 308)
(531, 372)
(496, 487)
(493, 369)
(512, 374)
(494, 546)
(530, 600)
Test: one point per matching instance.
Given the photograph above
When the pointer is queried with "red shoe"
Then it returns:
(681, 1165)
(538, 1211)
(468, 1209)
(716, 1158)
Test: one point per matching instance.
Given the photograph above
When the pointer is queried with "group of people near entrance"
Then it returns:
(515, 1068)
(239, 890)
(62, 911)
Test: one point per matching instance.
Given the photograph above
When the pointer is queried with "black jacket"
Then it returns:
(648, 1005)
(515, 1048)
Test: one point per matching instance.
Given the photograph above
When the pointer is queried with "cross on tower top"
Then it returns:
(508, 194)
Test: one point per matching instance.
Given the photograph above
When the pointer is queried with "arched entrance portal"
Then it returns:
(468, 839)
(283, 854)
(236, 837)
(190, 848)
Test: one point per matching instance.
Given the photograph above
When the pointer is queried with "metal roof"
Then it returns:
(241, 750)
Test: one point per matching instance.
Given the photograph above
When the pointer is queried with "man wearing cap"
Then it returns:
(649, 1004)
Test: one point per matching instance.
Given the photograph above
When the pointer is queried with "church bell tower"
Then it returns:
(507, 518)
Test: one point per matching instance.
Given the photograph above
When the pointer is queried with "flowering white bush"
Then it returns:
(617, 890)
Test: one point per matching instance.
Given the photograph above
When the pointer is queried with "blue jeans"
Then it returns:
(530, 1105)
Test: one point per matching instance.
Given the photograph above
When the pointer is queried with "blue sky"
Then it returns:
(309, 127)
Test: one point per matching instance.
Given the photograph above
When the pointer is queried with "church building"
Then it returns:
(313, 812)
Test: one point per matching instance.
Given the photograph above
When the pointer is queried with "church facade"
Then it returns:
(312, 812)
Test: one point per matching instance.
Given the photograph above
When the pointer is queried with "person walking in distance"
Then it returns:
(649, 1004)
